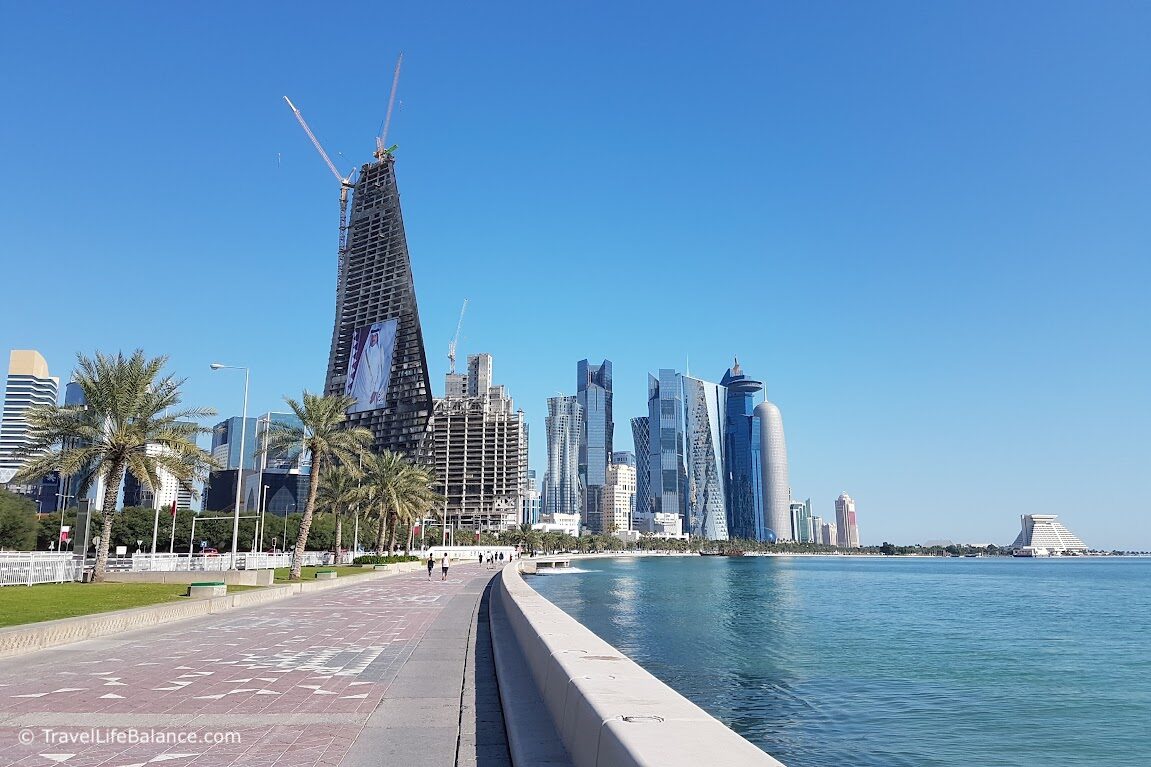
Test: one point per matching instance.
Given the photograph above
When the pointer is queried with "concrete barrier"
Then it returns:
(326, 575)
(205, 590)
(230, 577)
(609, 711)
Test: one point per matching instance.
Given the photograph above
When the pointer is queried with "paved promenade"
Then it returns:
(391, 672)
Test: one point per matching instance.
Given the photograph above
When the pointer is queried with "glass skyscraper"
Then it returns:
(744, 483)
(667, 472)
(564, 425)
(642, 440)
(594, 394)
(705, 410)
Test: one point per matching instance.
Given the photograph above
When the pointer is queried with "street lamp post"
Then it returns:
(240, 471)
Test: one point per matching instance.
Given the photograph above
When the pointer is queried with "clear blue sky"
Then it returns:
(925, 225)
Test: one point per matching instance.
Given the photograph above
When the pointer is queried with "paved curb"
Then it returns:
(32, 637)
(532, 737)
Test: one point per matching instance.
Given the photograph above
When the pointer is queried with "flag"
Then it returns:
(173, 509)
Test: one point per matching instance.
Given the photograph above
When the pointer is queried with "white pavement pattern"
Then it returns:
(358, 675)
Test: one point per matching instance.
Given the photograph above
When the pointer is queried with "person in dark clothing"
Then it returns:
(431, 565)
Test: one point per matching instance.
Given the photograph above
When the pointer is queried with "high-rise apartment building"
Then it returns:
(532, 506)
(667, 469)
(704, 412)
(773, 469)
(377, 353)
(816, 529)
(477, 447)
(829, 536)
(138, 492)
(801, 521)
(564, 426)
(29, 385)
(744, 479)
(594, 394)
(846, 524)
(479, 374)
(641, 438)
(618, 497)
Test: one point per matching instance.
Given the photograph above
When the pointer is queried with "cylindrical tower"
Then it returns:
(773, 465)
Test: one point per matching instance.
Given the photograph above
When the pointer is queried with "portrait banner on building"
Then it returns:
(370, 365)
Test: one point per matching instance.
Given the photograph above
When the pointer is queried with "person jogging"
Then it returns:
(431, 564)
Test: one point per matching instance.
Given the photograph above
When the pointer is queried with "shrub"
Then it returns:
(377, 559)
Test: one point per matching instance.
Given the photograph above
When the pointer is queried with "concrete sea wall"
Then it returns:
(606, 709)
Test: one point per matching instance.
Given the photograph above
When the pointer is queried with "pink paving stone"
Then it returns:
(289, 642)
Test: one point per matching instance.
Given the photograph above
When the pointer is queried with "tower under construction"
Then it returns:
(377, 344)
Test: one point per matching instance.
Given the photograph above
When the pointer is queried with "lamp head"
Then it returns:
(216, 366)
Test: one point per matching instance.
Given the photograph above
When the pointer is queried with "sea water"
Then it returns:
(869, 661)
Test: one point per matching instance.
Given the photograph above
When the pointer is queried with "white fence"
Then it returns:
(26, 568)
(219, 562)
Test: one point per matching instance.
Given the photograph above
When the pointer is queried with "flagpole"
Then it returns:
(172, 541)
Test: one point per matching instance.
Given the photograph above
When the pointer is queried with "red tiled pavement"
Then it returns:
(293, 681)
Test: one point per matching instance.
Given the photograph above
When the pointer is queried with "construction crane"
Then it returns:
(382, 148)
(345, 181)
(456, 340)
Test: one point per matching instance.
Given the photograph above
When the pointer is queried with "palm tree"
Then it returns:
(398, 490)
(325, 436)
(339, 491)
(128, 408)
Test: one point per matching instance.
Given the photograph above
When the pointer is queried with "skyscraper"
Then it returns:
(478, 450)
(564, 426)
(29, 385)
(643, 504)
(773, 467)
(801, 521)
(618, 496)
(705, 409)
(846, 525)
(594, 394)
(377, 353)
(744, 479)
(667, 471)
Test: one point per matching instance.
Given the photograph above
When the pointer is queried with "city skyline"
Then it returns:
(936, 320)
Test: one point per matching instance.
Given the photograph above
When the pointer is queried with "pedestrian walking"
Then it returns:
(481, 558)
(501, 557)
(444, 567)
(431, 564)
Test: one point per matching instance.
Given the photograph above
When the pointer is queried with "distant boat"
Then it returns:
(727, 553)
(703, 553)
(1031, 551)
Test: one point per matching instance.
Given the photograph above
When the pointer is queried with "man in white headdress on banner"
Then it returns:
(372, 371)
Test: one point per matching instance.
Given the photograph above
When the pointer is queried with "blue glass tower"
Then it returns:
(743, 486)
(593, 392)
(667, 470)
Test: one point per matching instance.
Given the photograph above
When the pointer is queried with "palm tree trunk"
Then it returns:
(411, 537)
(113, 480)
(305, 523)
(381, 531)
(395, 522)
(339, 534)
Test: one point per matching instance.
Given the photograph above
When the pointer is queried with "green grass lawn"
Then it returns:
(309, 573)
(49, 601)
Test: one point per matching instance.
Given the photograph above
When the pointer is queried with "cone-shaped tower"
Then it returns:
(377, 344)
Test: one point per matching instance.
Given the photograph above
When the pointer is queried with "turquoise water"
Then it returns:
(829, 661)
